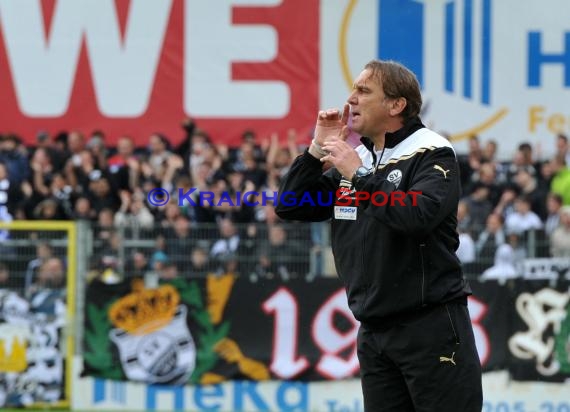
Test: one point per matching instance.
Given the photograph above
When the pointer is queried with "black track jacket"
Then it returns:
(393, 260)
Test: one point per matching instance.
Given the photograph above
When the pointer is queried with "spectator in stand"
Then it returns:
(124, 166)
(249, 244)
(15, 156)
(463, 217)
(528, 185)
(49, 209)
(75, 144)
(562, 148)
(43, 169)
(519, 247)
(203, 152)
(546, 173)
(490, 239)
(228, 241)
(82, 209)
(200, 141)
(179, 240)
(110, 252)
(279, 159)
(248, 149)
(265, 218)
(43, 252)
(504, 267)
(11, 194)
(281, 256)
(203, 175)
(5, 281)
(167, 216)
(103, 230)
(522, 159)
(489, 151)
(528, 154)
(253, 171)
(200, 265)
(101, 193)
(560, 239)
(59, 146)
(158, 153)
(479, 206)
(237, 186)
(96, 145)
(553, 206)
(469, 164)
(51, 275)
(80, 170)
(169, 271)
(158, 256)
(561, 180)
(185, 147)
(487, 176)
(197, 148)
(466, 250)
(43, 140)
(506, 204)
(205, 210)
(182, 185)
(523, 218)
(137, 265)
(62, 192)
(161, 165)
(133, 212)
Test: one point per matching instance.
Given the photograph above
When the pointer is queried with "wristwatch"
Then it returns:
(360, 173)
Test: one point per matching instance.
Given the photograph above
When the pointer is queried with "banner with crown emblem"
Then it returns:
(225, 328)
(216, 329)
(32, 362)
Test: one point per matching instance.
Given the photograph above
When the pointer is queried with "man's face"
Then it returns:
(369, 105)
(562, 145)
(493, 223)
(3, 276)
(125, 147)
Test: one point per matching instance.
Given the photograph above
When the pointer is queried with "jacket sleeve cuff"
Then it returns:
(311, 160)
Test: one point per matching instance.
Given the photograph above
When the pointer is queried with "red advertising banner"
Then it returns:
(135, 67)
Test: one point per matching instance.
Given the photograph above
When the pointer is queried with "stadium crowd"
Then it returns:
(70, 176)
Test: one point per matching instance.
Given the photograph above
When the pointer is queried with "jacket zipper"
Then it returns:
(375, 164)
(363, 260)
(422, 246)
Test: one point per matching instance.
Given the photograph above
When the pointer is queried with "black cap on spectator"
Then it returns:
(61, 137)
(513, 187)
(42, 136)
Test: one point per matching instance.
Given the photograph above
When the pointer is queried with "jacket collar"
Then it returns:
(412, 125)
(392, 139)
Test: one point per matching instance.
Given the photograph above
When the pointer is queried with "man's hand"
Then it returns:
(342, 156)
(330, 124)
(331, 134)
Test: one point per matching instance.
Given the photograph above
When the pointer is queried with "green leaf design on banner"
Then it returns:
(562, 343)
(97, 353)
(190, 293)
(209, 335)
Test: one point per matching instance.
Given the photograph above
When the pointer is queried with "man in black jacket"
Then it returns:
(394, 239)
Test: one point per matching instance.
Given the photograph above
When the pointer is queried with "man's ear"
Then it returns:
(397, 106)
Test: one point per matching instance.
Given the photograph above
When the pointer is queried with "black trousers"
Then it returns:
(424, 362)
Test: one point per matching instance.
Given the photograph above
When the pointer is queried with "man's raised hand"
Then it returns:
(331, 123)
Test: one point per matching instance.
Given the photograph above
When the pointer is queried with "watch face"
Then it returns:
(362, 171)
